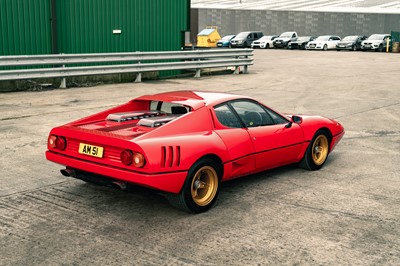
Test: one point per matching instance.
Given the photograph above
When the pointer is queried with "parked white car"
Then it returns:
(264, 42)
(377, 42)
(324, 42)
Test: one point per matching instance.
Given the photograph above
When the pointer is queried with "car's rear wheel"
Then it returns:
(355, 47)
(201, 188)
(325, 47)
(317, 152)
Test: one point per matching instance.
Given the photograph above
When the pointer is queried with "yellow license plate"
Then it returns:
(91, 150)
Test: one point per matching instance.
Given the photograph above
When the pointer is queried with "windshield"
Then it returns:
(286, 35)
(228, 37)
(323, 38)
(265, 38)
(376, 37)
(242, 35)
(350, 38)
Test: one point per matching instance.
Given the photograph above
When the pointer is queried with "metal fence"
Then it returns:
(62, 65)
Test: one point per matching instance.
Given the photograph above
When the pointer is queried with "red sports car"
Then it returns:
(185, 143)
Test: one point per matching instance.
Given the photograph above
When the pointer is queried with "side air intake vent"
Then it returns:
(170, 156)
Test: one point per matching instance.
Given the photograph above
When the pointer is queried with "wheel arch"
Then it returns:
(217, 160)
(328, 133)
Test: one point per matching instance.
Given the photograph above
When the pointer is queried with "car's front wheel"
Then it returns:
(317, 152)
(325, 47)
(201, 188)
(380, 48)
(267, 46)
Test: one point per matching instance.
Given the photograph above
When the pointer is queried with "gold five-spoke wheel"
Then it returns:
(320, 149)
(204, 186)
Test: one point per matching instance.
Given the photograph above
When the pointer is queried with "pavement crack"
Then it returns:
(333, 212)
(369, 110)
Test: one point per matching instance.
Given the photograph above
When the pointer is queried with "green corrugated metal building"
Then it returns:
(92, 26)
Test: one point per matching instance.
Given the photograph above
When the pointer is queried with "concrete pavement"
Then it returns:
(346, 213)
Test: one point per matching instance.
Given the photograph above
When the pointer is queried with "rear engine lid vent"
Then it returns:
(129, 116)
(156, 121)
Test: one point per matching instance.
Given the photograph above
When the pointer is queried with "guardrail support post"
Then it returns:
(138, 76)
(245, 70)
(63, 84)
(197, 75)
(237, 70)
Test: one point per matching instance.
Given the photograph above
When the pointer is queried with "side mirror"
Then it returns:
(295, 119)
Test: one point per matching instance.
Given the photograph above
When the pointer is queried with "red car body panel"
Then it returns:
(172, 148)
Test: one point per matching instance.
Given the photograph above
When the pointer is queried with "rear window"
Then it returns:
(168, 107)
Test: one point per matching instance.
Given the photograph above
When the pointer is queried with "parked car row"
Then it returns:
(291, 40)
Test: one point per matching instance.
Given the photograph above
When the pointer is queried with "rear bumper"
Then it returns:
(169, 182)
(315, 48)
(369, 48)
(237, 45)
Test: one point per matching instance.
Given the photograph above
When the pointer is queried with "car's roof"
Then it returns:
(194, 99)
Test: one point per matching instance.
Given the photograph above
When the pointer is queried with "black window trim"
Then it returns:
(227, 103)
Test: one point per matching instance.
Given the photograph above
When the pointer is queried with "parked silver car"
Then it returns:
(377, 42)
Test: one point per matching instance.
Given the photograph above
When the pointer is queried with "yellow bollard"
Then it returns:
(387, 45)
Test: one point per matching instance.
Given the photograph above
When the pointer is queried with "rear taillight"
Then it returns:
(135, 158)
(56, 142)
(138, 160)
(126, 157)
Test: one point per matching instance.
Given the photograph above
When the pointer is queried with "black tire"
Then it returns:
(267, 46)
(354, 48)
(317, 152)
(325, 47)
(380, 48)
(338, 50)
(201, 188)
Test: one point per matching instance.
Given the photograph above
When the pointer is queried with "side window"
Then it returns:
(277, 118)
(252, 114)
(226, 117)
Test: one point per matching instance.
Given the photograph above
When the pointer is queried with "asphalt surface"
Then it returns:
(347, 213)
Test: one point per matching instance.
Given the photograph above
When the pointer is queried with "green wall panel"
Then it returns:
(86, 26)
(25, 27)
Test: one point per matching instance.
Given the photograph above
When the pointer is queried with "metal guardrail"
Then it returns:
(137, 62)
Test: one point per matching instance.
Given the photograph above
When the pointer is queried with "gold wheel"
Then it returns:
(204, 186)
(320, 149)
